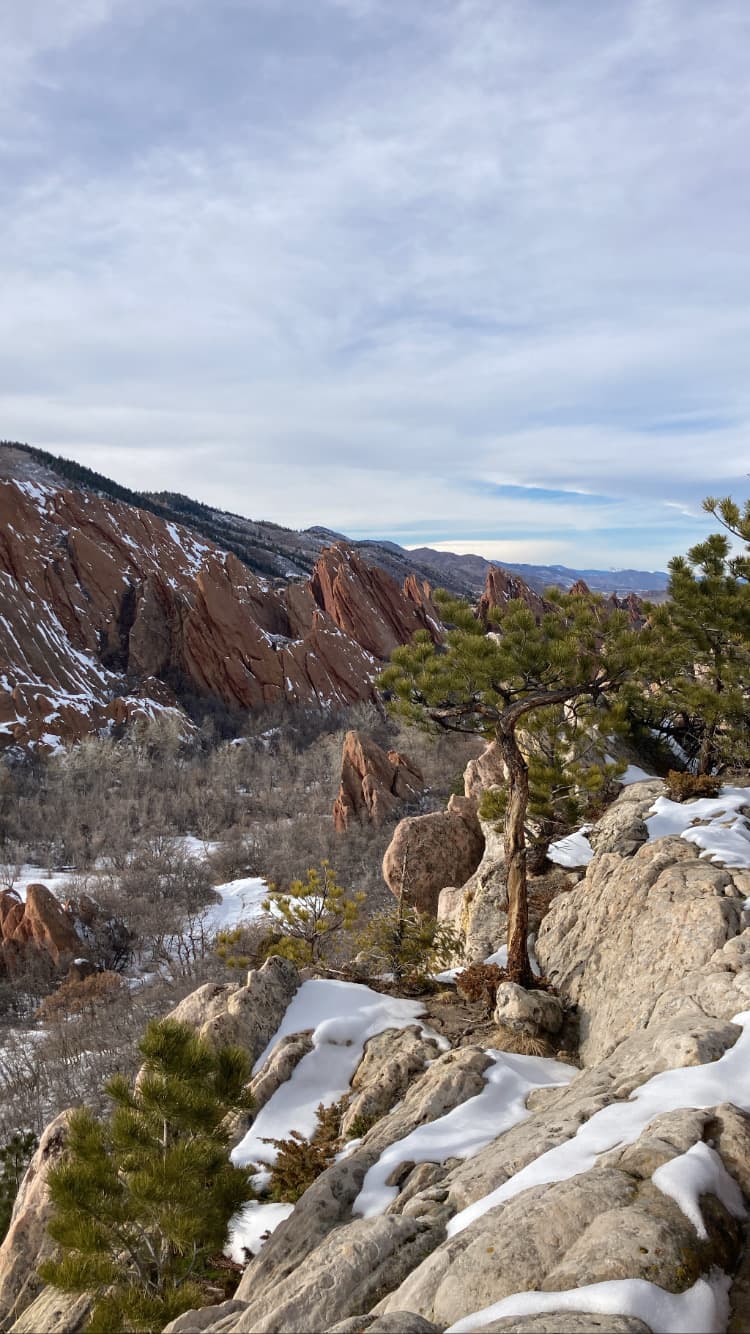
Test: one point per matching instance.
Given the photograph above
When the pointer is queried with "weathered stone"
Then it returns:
(39, 926)
(605, 1223)
(248, 1016)
(487, 770)
(622, 828)
(633, 928)
(390, 1062)
(101, 598)
(280, 1066)
(567, 1322)
(374, 785)
(54, 1312)
(26, 1243)
(527, 1011)
(502, 587)
(428, 852)
(395, 1322)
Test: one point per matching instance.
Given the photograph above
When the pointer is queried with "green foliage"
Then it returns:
(300, 1161)
(408, 944)
(701, 664)
(142, 1201)
(311, 914)
(571, 777)
(567, 660)
(682, 786)
(15, 1156)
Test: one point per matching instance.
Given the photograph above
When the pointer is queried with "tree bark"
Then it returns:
(519, 967)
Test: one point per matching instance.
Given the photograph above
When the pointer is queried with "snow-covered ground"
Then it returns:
(57, 882)
(240, 901)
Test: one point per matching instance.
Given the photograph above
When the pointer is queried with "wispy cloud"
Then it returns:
(379, 264)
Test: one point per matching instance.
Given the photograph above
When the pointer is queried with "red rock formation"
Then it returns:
(107, 612)
(367, 604)
(373, 784)
(502, 587)
(39, 926)
(428, 852)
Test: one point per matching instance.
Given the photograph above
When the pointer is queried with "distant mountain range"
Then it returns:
(279, 553)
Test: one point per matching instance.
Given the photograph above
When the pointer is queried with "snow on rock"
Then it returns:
(466, 1129)
(698, 1172)
(343, 1016)
(250, 1228)
(572, 851)
(699, 1086)
(703, 1308)
(723, 835)
(634, 775)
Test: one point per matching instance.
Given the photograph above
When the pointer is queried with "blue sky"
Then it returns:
(470, 273)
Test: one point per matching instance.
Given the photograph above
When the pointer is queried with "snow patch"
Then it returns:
(704, 1307)
(466, 1129)
(723, 834)
(698, 1172)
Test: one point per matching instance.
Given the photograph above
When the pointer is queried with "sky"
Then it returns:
(466, 273)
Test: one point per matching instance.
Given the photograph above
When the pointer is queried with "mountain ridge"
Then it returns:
(274, 551)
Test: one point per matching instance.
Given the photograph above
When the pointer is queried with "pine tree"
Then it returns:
(408, 944)
(311, 913)
(142, 1201)
(702, 692)
(573, 656)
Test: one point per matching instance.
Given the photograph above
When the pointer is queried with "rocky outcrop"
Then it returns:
(374, 784)
(502, 587)
(27, 1243)
(428, 852)
(110, 612)
(622, 828)
(635, 929)
(37, 926)
(247, 1016)
(486, 771)
(368, 605)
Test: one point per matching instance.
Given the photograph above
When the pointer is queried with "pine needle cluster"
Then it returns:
(311, 913)
(300, 1161)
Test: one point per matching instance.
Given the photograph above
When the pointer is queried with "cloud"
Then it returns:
(382, 264)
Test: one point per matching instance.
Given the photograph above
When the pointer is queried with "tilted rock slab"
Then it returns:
(374, 784)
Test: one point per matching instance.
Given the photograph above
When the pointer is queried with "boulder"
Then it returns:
(388, 1067)
(39, 926)
(54, 1312)
(374, 785)
(279, 1067)
(428, 852)
(622, 828)
(247, 1016)
(527, 1011)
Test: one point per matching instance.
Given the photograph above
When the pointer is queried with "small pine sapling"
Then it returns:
(142, 1201)
(311, 914)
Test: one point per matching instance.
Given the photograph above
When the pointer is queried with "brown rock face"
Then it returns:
(373, 784)
(368, 604)
(428, 852)
(502, 587)
(108, 612)
(38, 926)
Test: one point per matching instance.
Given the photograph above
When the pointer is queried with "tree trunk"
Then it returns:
(519, 968)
